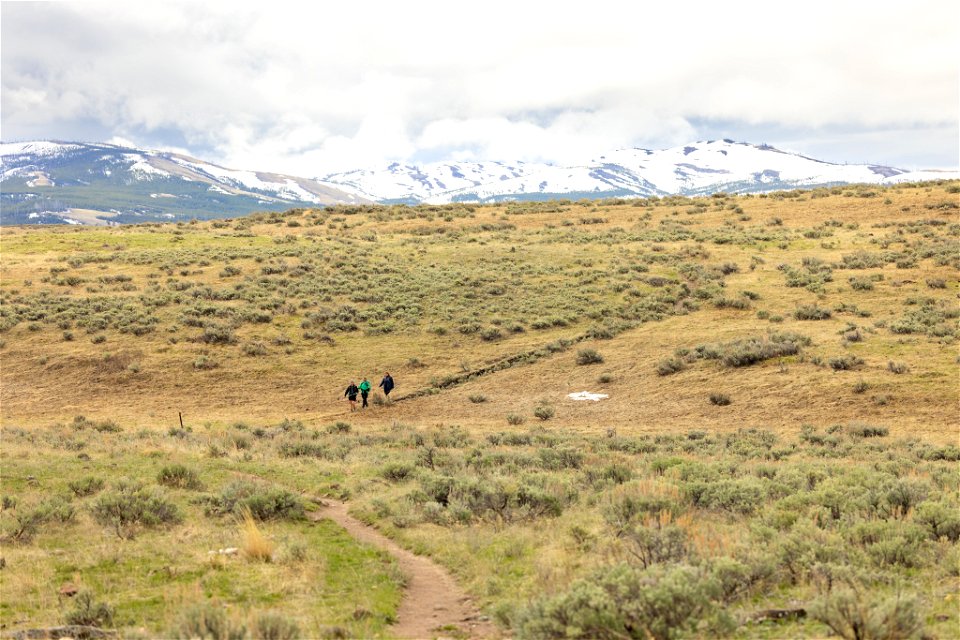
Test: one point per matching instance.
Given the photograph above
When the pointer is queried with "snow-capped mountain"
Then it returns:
(103, 183)
(97, 183)
(695, 169)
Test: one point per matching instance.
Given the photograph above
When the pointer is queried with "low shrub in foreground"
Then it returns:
(130, 506)
(853, 615)
(264, 502)
(209, 621)
(623, 602)
(88, 612)
(178, 476)
(28, 521)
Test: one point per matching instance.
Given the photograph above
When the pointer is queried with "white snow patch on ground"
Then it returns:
(586, 395)
(40, 148)
(288, 188)
(141, 166)
(13, 173)
(921, 176)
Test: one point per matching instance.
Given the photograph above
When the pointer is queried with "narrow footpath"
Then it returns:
(433, 605)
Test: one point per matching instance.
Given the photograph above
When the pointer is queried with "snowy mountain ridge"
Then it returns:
(144, 164)
(46, 181)
(694, 169)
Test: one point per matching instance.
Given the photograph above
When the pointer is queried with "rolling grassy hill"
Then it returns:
(780, 369)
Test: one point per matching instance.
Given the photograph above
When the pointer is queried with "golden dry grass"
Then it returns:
(45, 379)
(253, 543)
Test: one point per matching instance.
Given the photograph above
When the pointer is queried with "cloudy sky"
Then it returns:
(310, 89)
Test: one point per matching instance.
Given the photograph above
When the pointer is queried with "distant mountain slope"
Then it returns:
(94, 183)
(695, 169)
(81, 183)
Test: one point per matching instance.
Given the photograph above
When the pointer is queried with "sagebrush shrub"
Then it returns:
(544, 411)
(305, 449)
(255, 348)
(742, 495)
(670, 366)
(396, 471)
(339, 427)
(845, 362)
(273, 626)
(28, 521)
(588, 356)
(490, 334)
(724, 302)
(217, 334)
(652, 545)
(631, 504)
(742, 353)
(178, 476)
(265, 502)
(860, 430)
(897, 367)
(130, 506)
(621, 602)
(719, 399)
(812, 312)
(86, 486)
(557, 458)
(204, 363)
(940, 519)
(88, 612)
(207, 620)
(853, 615)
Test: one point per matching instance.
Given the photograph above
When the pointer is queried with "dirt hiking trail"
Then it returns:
(433, 605)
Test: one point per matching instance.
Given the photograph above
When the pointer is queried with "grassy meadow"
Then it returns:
(780, 431)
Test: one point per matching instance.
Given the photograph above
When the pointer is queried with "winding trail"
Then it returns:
(433, 605)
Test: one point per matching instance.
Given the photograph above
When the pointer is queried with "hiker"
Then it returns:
(387, 385)
(351, 395)
(364, 392)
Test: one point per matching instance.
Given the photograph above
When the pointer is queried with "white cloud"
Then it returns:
(317, 88)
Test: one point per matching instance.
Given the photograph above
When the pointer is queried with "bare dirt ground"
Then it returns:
(433, 605)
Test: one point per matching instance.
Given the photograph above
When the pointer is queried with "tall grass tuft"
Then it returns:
(254, 545)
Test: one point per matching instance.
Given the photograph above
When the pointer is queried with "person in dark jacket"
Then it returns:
(351, 395)
(387, 385)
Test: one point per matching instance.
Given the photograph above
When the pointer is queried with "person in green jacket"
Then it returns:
(364, 392)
